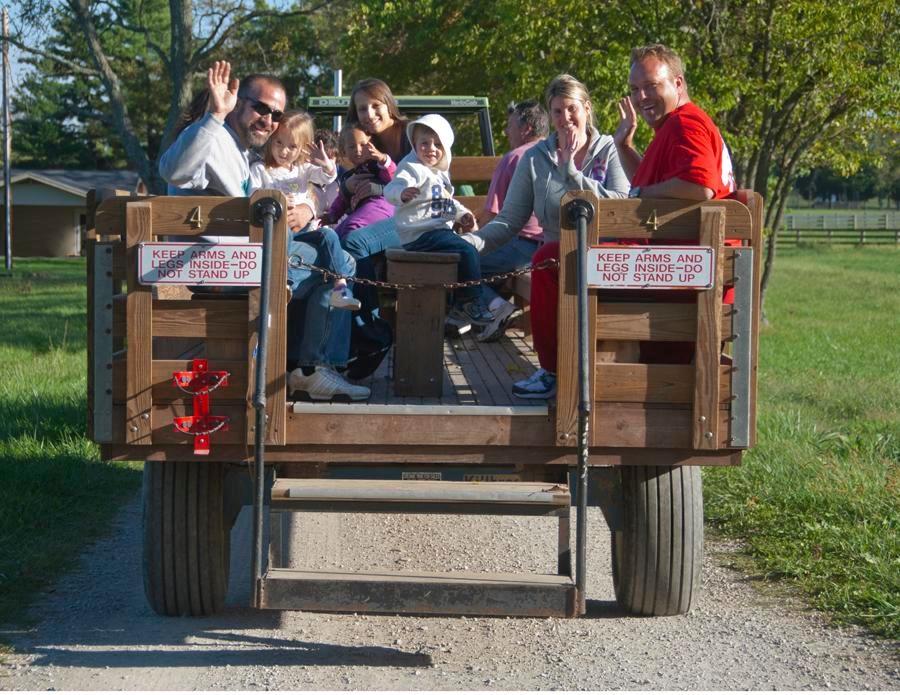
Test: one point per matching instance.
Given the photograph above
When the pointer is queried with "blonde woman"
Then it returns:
(575, 156)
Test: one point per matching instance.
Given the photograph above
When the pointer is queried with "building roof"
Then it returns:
(76, 181)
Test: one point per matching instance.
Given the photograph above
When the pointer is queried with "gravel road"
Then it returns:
(95, 631)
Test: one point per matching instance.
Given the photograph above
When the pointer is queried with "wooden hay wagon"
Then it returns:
(473, 449)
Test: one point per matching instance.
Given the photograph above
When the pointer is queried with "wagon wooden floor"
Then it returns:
(475, 373)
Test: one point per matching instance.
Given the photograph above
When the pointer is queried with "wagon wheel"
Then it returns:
(186, 538)
(658, 553)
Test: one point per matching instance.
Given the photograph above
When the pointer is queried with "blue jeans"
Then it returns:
(469, 267)
(317, 334)
(512, 255)
(363, 244)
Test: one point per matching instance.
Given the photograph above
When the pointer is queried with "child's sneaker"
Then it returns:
(474, 312)
(342, 299)
(541, 384)
(456, 328)
(501, 316)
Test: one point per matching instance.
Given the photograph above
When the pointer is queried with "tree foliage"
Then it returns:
(131, 66)
(792, 83)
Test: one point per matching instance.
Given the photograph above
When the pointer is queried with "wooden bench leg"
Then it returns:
(419, 342)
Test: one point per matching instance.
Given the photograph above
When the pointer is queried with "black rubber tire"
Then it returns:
(658, 554)
(186, 538)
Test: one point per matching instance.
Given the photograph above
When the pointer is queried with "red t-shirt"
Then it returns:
(687, 146)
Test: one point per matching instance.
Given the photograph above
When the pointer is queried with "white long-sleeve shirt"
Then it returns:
(297, 182)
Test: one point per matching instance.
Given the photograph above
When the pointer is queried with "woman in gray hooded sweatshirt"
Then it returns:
(576, 156)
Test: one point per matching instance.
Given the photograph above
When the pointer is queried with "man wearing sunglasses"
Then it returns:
(212, 155)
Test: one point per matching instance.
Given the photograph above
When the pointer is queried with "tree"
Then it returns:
(791, 83)
(123, 45)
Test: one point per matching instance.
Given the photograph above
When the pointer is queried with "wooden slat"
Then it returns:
(378, 455)
(648, 321)
(473, 169)
(567, 384)
(419, 593)
(653, 383)
(675, 219)
(276, 377)
(416, 430)
(138, 331)
(635, 425)
(171, 215)
(165, 391)
(709, 336)
(178, 318)
(165, 434)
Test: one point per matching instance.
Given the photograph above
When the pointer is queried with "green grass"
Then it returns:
(818, 499)
(55, 493)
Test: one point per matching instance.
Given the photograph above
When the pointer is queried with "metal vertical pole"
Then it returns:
(7, 191)
(581, 212)
(338, 88)
(265, 212)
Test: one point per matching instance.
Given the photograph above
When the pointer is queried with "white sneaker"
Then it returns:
(502, 315)
(342, 299)
(325, 384)
(540, 385)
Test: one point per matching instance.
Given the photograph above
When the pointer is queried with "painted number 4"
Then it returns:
(196, 218)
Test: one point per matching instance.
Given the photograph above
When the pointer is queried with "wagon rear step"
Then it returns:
(440, 593)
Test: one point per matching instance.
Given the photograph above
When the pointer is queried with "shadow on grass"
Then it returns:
(47, 419)
(50, 508)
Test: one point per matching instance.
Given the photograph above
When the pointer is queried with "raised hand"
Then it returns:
(568, 145)
(319, 157)
(627, 123)
(372, 152)
(222, 90)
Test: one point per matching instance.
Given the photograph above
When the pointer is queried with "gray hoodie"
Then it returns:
(539, 183)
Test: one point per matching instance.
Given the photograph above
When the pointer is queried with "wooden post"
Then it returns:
(709, 336)
(419, 344)
(139, 306)
(276, 377)
(567, 387)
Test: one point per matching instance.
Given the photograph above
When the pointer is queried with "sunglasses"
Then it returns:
(264, 110)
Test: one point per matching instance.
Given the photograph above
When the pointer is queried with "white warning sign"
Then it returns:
(650, 267)
(175, 263)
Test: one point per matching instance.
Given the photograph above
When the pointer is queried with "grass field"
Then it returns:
(55, 493)
(818, 500)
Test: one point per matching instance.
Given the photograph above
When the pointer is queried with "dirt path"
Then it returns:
(97, 633)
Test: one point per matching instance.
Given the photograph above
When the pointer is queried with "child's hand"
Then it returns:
(372, 152)
(468, 223)
(409, 193)
(319, 157)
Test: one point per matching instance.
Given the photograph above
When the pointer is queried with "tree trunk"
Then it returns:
(134, 151)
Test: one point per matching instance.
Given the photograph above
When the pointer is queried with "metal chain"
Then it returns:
(297, 262)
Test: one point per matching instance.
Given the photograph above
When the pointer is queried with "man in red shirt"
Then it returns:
(687, 158)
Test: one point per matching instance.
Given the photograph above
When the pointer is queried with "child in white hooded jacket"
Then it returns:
(426, 209)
